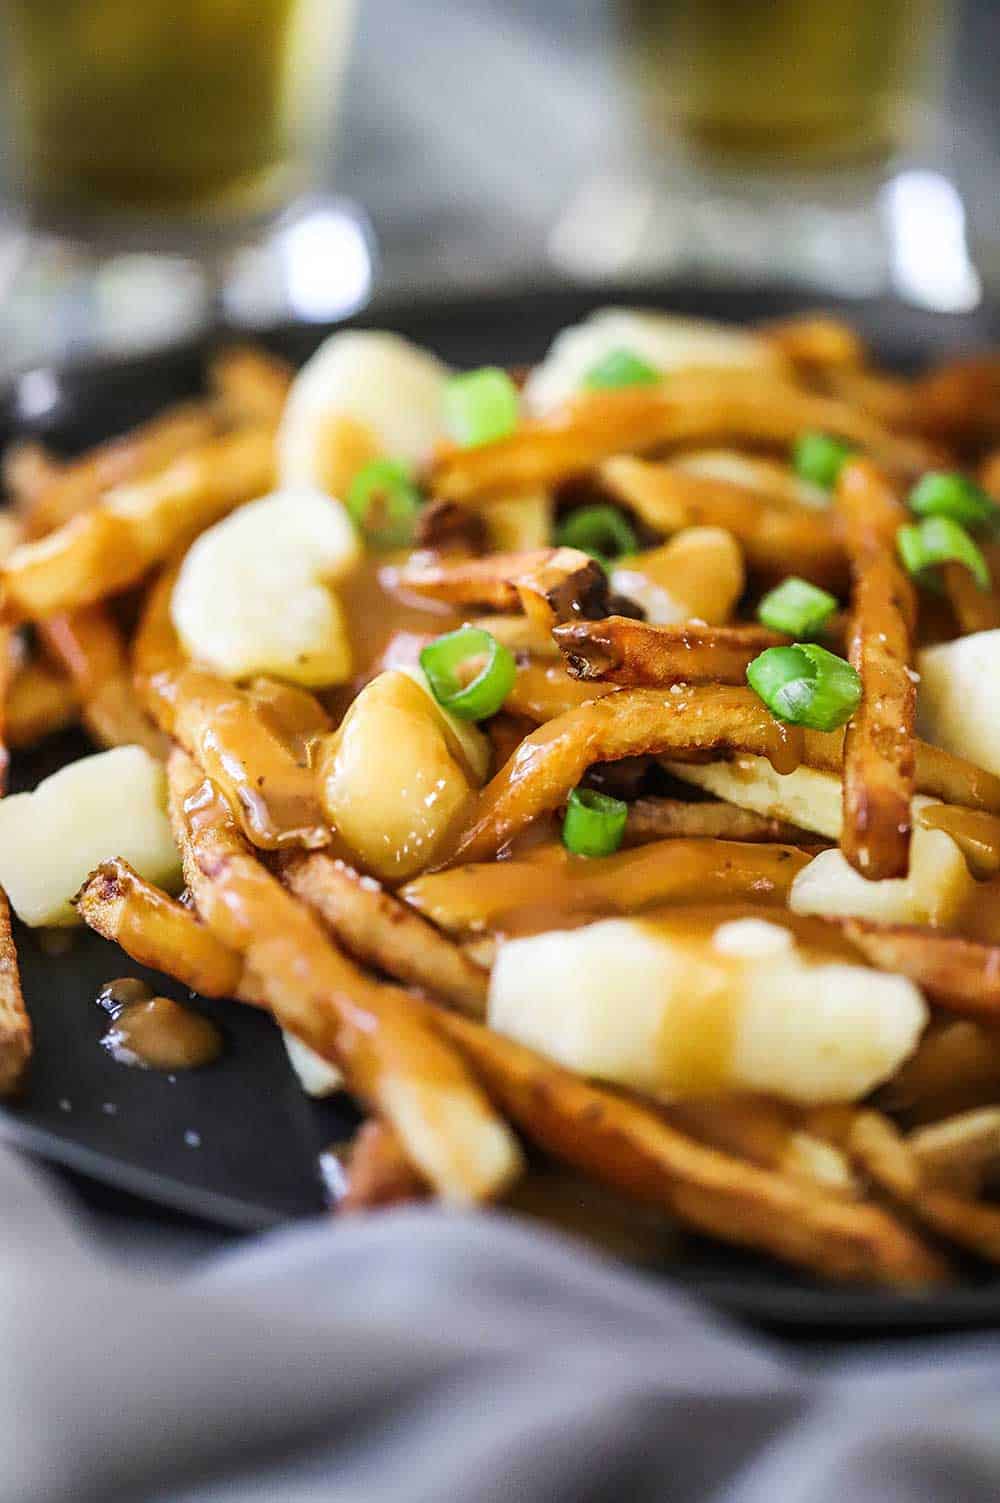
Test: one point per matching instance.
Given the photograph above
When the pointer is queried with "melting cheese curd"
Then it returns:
(662, 340)
(255, 592)
(397, 778)
(642, 1005)
(362, 396)
(958, 705)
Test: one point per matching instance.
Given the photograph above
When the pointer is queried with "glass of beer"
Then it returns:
(183, 129)
(766, 135)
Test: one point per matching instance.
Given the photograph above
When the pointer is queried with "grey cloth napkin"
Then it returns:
(426, 1357)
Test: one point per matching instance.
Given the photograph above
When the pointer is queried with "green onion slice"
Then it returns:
(481, 406)
(819, 458)
(806, 685)
(384, 501)
(797, 608)
(620, 368)
(480, 696)
(942, 494)
(940, 540)
(601, 531)
(594, 824)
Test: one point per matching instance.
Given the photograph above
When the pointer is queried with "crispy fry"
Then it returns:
(28, 468)
(7, 672)
(520, 634)
(766, 1132)
(630, 722)
(89, 645)
(73, 487)
(816, 343)
(670, 818)
(544, 690)
(693, 407)
(159, 932)
(40, 702)
(956, 1067)
(379, 930)
(959, 974)
(961, 1152)
(552, 887)
(635, 653)
(879, 770)
(883, 1153)
(390, 1057)
(624, 1145)
(974, 609)
(939, 774)
(250, 384)
(121, 537)
(959, 402)
(377, 1172)
(776, 539)
(561, 582)
(235, 738)
(15, 1025)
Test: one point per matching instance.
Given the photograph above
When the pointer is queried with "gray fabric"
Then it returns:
(440, 1358)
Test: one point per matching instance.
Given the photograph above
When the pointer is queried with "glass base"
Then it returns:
(64, 299)
(857, 234)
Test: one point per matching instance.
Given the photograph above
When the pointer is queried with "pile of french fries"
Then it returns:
(388, 978)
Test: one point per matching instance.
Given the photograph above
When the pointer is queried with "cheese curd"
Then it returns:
(112, 804)
(255, 592)
(629, 1002)
(958, 704)
(699, 575)
(363, 395)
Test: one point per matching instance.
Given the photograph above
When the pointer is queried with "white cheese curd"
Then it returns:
(663, 340)
(626, 1002)
(363, 395)
(958, 703)
(255, 592)
(316, 1075)
(111, 804)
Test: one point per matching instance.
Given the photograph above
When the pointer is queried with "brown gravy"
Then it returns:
(148, 1032)
(976, 834)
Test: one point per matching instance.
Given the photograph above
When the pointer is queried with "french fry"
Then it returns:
(61, 491)
(672, 818)
(377, 1172)
(544, 690)
(250, 384)
(389, 1054)
(766, 1132)
(961, 1153)
(520, 634)
(28, 468)
(882, 1152)
(630, 722)
(634, 653)
(15, 1025)
(959, 402)
(561, 581)
(40, 702)
(552, 887)
(379, 930)
(89, 645)
(232, 735)
(624, 1145)
(958, 974)
(693, 407)
(116, 542)
(7, 672)
(974, 609)
(879, 771)
(776, 538)
(955, 1068)
(816, 343)
(158, 932)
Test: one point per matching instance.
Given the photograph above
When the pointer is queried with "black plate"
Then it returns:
(237, 1143)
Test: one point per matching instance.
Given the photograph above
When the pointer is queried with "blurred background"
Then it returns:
(184, 160)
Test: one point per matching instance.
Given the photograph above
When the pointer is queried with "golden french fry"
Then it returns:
(938, 773)
(816, 343)
(27, 469)
(693, 407)
(114, 543)
(776, 538)
(376, 928)
(377, 1172)
(375, 1033)
(974, 609)
(58, 492)
(671, 818)
(959, 402)
(39, 703)
(89, 645)
(635, 653)
(630, 722)
(263, 771)
(553, 887)
(883, 1153)
(958, 974)
(250, 384)
(520, 634)
(544, 690)
(633, 1149)
(767, 1132)
(955, 1068)
(961, 1153)
(157, 931)
(15, 1025)
(561, 580)
(879, 771)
